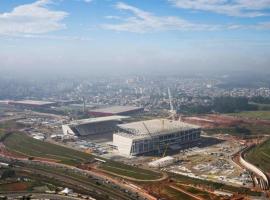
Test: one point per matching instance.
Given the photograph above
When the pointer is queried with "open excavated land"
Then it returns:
(214, 120)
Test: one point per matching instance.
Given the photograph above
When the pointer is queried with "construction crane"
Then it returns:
(165, 151)
(172, 111)
(84, 105)
(147, 130)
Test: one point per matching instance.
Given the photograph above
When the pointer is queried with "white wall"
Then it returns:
(67, 130)
(123, 144)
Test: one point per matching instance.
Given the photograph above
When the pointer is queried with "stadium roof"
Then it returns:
(96, 120)
(116, 109)
(156, 127)
(33, 102)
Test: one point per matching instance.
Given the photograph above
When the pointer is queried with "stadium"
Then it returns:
(154, 135)
(93, 126)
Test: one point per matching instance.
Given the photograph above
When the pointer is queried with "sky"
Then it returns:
(108, 36)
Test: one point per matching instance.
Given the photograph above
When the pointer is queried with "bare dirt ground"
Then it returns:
(215, 120)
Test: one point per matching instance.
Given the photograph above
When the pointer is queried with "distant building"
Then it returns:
(93, 125)
(154, 135)
(116, 110)
(32, 103)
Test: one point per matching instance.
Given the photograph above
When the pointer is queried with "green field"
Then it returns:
(241, 130)
(260, 156)
(261, 106)
(129, 171)
(21, 144)
(175, 194)
(212, 185)
(262, 115)
(24, 145)
(197, 192)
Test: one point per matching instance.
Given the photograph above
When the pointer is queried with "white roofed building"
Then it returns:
(90, 126)
(154, 135)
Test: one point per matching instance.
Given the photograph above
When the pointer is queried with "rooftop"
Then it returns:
(33, 102)
(141, 129)
(96, 120)
(116, 109)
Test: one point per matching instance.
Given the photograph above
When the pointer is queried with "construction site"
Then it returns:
(200, 147)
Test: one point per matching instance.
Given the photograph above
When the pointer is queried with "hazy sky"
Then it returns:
(134, 35)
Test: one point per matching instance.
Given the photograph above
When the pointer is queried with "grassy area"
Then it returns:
(175, 194)
(262, 115)
(197, 192)
(22, 144)
(260, 156)
(129, 171)
(241, 130)
(212, 185)
(261, 106)
(227, 130)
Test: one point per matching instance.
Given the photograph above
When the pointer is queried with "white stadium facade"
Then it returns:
(154, 135)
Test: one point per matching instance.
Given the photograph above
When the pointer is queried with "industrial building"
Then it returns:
(90, 126)
(32, 103)
(154, 135)
(116, 110)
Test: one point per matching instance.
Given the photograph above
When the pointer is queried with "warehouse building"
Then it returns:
(154, 135)
(116, 110)
(32, 103)
(92, 126)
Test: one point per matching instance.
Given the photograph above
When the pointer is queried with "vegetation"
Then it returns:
(227, 104)
(195, 109)
(175, 194)
(242, 130)
(21, 144)
(262, 115)
(260, 100)
(224, 104)
(129, 171)
(212, 185)
(260, 156)
(265, 107)
(235, 130)
(197, 192)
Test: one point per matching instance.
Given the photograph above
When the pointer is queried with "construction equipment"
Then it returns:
(151, 136)
(165, 151)
(84, 105)
(147, 130)
(171, 111)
